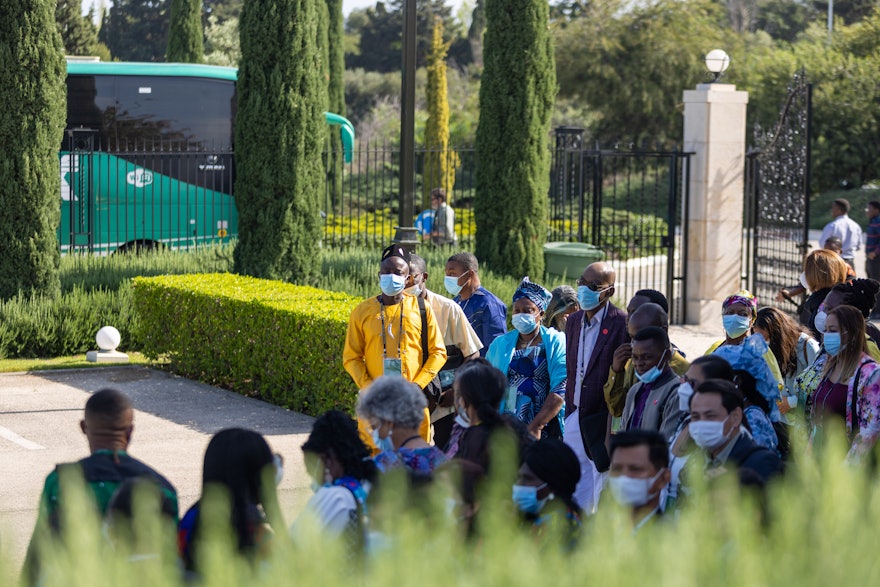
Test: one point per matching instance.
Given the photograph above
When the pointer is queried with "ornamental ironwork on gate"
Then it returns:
(777, 199)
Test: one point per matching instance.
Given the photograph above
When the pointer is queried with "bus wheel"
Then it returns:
(140, 246)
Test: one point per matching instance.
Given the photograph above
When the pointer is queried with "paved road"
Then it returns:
(174, 420)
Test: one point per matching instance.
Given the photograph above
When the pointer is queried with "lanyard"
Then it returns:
(400, 332)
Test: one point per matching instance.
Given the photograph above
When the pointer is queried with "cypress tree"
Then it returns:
(517, 91)
(186, 43)
(78, 33)
(335, 93)
(32, 116)
(440, 161)
(279, 134)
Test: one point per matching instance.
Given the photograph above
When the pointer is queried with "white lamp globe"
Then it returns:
(717, 61)
(108, 338)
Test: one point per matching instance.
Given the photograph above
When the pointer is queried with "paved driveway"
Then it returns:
(174, 420)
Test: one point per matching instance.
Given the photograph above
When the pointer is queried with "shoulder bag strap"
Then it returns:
(855, 400)
(424, 316)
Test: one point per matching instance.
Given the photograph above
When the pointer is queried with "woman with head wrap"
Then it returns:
(747, 351)
(545, 483)
(532, 357)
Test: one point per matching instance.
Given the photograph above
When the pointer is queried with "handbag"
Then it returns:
(434, 389)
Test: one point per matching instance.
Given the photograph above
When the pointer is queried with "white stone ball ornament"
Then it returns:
(108, 338)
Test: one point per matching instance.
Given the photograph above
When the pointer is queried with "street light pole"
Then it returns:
(406, 234)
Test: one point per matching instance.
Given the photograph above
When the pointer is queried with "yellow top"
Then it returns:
(363, 357)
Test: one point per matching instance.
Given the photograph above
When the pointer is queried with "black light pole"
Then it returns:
(406, 234)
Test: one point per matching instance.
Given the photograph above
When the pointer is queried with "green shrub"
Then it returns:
(39, 326)
(280, 342)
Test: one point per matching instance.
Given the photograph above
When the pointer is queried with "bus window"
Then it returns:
(91, 104)
(184, 111)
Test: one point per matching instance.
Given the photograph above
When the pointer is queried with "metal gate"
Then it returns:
(777, 199)
(630, 203)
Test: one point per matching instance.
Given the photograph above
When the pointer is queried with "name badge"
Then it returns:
(392, 367)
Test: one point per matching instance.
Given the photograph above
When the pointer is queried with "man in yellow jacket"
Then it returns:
(385, 336)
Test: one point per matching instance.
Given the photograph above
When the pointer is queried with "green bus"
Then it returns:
(147, 157)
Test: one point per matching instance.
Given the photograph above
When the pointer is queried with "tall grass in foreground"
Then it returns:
(817, 527)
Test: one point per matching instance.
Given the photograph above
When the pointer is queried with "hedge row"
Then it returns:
(268, 339)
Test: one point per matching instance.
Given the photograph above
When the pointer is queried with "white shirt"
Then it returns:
(454, 325)
(330, 508)
(848, 231)
(588, 336)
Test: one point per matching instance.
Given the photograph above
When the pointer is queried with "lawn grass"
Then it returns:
(69, 362)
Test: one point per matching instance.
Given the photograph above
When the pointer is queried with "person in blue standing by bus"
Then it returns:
(485, 312)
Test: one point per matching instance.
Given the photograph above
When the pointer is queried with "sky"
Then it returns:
(347, 5)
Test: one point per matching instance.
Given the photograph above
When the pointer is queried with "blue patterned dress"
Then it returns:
(529, 376)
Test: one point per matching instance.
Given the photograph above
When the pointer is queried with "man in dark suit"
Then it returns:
(592, 334)
(716, 427)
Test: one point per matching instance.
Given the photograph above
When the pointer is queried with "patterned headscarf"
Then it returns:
(745, 298)
(537, 294)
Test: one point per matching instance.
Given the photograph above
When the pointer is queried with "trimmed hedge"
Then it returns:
(279, 342)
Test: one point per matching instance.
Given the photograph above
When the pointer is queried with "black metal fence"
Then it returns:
(362, 209)
(632, 204)
(777, 203)
(143, 194)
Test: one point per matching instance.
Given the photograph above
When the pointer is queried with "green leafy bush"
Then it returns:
(40, 326)
(280, 342)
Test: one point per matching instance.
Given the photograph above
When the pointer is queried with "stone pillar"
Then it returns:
(714, 129)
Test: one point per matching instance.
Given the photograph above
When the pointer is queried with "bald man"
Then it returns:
(108, 424)
(592, 335)
(622, 376)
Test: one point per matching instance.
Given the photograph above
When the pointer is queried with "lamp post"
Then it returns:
(406, 234)
(717, 62)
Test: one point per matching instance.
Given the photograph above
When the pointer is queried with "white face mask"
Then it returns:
(803, 280)
(819, 321)
(708, 434)
(632, 491)
(685, 391)
(415, 290)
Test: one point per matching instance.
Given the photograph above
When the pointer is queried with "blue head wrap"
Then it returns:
(536, 293)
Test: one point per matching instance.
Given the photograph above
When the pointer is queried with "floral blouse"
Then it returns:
(867, 406)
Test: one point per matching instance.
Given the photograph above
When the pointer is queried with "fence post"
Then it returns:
(715, 131)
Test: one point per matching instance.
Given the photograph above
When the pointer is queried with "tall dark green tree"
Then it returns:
(335, 92)
(186, 39)
(78, 33)
(32, 115)
(136, 30)
(516, 100)
(279, 135)
(381, 37)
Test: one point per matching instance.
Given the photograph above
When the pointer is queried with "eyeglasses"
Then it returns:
(592, 286)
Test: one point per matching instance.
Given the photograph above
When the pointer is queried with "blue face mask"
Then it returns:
(526, 498)
(651, 375)
(589, 299)
(735, 325)
(391, 284)
(524, 323)
(450, 282)
(383, 444)
(831, 342)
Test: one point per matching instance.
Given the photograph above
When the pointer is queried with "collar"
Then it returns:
(722, 456)
(598, 318)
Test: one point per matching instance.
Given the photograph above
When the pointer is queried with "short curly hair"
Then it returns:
(393, 399)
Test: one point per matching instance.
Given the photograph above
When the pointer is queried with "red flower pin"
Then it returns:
(604, 331)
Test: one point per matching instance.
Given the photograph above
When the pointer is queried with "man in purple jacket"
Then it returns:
(592, 334)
